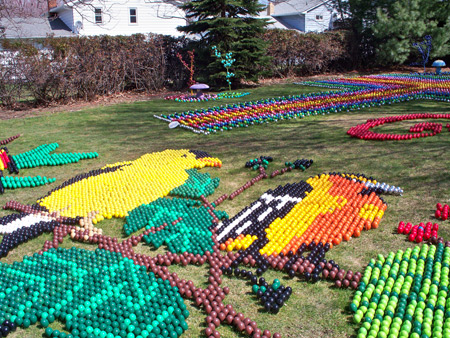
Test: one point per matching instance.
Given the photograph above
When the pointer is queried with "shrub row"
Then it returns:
(60, 69)
(296, 54)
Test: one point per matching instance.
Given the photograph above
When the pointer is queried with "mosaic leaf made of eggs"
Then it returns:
(97, 292)
(405, 294)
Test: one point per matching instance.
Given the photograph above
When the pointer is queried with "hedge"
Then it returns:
(60, 69)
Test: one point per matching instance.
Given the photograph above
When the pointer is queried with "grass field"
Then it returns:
(126, 131)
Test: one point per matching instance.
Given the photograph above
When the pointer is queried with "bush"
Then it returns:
(294, 53)
(85, 67)
(60, 69)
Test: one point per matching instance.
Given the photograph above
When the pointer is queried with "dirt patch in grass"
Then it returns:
(104, 101)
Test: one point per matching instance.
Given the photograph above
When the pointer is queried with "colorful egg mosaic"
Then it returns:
(363, 131)
(355, 93)
(324, 209)
(94, 293)
(405, 294)
(116, 189)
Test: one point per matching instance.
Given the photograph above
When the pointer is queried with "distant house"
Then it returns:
(112, 17)
(301, 15)
(33, 28)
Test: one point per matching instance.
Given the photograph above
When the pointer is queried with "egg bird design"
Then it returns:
(116, 189)
(325, 209)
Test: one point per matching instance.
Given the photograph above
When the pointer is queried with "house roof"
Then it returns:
(294, 7)
(28, 28)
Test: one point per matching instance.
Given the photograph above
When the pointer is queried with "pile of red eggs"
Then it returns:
(419, 233)
(442, 212)
(363, 131)
(435, 128)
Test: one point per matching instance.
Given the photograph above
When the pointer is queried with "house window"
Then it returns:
(133, 15)
(98, 15)
(319, 17)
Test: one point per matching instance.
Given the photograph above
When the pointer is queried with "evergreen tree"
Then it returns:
(232, 26)
(385, 30)
(405, 22)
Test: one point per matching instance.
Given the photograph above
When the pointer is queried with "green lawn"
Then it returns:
(126, 131)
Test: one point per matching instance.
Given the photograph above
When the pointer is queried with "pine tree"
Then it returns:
(387, 29)
(232, 26)
(405, 22)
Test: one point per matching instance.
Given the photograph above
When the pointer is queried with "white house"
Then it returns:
(301, 15)
(118, 17)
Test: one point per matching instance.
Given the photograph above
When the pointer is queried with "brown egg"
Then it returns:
(249, 330)
(241, 326)
(332, 274)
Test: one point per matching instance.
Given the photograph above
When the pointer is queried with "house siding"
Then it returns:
(67, 17)
(116, 18)
(314, 25)
(292, 21)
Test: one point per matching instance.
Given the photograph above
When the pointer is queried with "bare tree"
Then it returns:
(22, 8)
(13, 11)
(34, 8)
(15, 14)
(168, 12)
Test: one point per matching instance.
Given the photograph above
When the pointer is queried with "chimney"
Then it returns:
(51, 4)
(270, 8)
